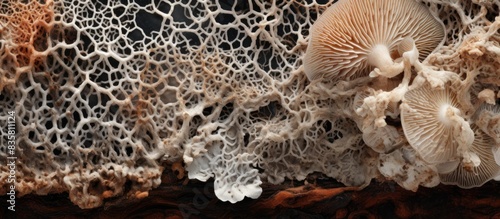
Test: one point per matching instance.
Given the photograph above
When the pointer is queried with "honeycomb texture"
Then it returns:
(106, 93)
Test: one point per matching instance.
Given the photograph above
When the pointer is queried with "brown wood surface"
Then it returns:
(322, 198)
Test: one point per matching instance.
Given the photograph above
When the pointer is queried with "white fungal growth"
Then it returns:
(408, 170)
(448, 115)
(435, 126)
(474, 174)
(487, 118)
(108, 94)
(380, 57)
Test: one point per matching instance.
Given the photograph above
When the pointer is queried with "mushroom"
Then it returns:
(433, 125)
(477, 176)
(352, 37)
(487, 118)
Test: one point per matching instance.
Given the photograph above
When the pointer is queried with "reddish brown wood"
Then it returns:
(324, 198)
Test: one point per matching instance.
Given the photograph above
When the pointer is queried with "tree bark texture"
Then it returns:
(322, 198)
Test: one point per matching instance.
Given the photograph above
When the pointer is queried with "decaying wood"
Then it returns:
(321, 198)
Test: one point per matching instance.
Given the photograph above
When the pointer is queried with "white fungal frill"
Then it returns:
(487, 118)
(407, 168)
(106, 96)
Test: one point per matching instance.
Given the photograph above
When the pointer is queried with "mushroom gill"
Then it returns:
(353, 37)
(434, 125)
(464, 177)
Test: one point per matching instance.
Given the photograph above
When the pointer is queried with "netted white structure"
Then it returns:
(107, 92)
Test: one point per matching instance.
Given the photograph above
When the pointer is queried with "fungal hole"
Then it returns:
(56, 151)
(129, 150)
(246, 139)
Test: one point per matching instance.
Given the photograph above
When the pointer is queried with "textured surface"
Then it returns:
(426, 126)
(106, 93)
(385, 201)
(342, 41)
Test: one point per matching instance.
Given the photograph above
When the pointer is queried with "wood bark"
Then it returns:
(323, 198)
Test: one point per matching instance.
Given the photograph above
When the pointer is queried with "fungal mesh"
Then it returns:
(106, 93)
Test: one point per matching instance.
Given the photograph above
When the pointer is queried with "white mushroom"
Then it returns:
(487, 118)
(353, 37)
(465, 177)
(434, 125)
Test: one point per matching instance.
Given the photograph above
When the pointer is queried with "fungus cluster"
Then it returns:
(109, 94)
(381, 39)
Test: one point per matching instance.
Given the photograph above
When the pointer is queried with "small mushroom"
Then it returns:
(487, 118)
(465, 177)
(433, 124)
(353, 37)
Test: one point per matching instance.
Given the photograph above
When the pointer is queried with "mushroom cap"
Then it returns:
(487, 170)
(424, 126)
(346, 33)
